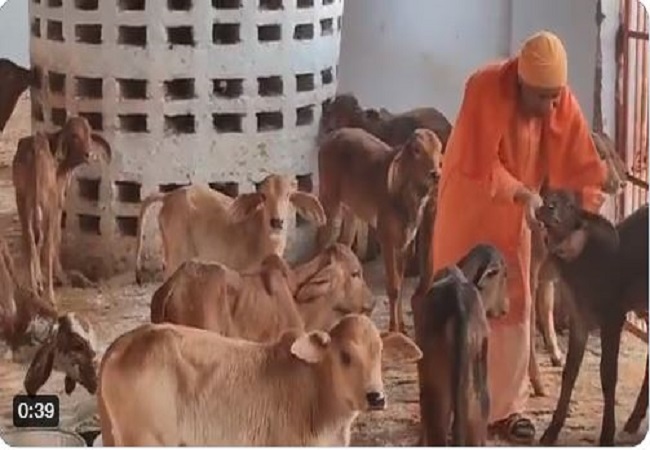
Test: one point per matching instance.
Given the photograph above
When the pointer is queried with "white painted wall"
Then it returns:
(14, 31)
(400, 57)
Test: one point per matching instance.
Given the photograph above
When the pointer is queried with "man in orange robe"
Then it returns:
(519, 124)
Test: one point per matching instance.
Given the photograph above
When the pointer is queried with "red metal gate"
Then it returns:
(632, 117)
(632, 102)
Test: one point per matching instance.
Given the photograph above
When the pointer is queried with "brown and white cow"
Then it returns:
(170, 385)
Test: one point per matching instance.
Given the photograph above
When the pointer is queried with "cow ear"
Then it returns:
(400, 349)
(309, 207)
(245, 205)
(484, 278)
(319, 285)
(40, 368)
(311, 347)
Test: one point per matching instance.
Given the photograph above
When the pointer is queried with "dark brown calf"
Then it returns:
(386, 187)
(589, 254)
(13, 82)
(42, 168)
(451, 329)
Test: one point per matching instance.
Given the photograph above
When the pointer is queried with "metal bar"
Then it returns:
(633, 34)
(637, 181)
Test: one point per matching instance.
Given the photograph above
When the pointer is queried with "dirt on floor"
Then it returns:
(119, 305)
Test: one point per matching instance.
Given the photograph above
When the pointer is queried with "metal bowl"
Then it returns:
(42, 438)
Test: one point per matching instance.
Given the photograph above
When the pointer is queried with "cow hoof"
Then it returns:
(556, 361)
(539, 392)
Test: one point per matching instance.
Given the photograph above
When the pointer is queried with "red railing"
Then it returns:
(632, 118)
(632, 103)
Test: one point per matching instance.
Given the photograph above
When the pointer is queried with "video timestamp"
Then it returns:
(40, 411)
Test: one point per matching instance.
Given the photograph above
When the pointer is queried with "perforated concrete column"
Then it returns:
(212, 91)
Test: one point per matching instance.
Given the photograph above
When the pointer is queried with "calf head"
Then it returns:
(485, 267)
(564, 221)
(72, 349)
(271, 204)
(13, 81)
(417, 166)
(350, 356)
(342, 111)
(74, 143)
(332, 286)
(616, 172)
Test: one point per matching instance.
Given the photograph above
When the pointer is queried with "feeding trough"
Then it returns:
(42, 438)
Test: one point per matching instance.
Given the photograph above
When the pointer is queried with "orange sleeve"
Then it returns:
(503, 184)
(574, 162)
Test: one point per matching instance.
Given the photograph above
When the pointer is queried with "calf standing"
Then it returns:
(42, 168)
(451, 329)
(386, 187)
(170, 385)
(586, 249)
(199, 222)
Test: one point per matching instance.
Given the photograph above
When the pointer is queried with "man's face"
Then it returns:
(537, 102)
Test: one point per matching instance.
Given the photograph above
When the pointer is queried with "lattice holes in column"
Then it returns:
(214, 103)
(226, 4)
(88, 189)
(229, 188)
(131, 5)
(86, 5)
(88, 34)
(128, 191)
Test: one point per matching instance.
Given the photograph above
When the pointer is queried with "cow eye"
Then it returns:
(345, 358)
(342, 310)
(356, 274)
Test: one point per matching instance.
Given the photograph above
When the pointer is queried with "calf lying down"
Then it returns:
(171, 385)
(592, 259)
(260, 305)
(451, 329)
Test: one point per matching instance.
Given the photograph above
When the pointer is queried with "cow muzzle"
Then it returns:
(277, 224)
(376, 401)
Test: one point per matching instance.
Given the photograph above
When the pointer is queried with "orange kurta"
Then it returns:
(491, 152)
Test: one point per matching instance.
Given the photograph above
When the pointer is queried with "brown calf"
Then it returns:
(386, 187)
(451, 329)
(344, 111)
(590, 254)
(301, 390)
(543, 277)
(261, 305)
(394, 129)
(13, 82)
(199, 222)
(42, 168)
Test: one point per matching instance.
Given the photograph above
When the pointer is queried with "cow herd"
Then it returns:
(244, 348)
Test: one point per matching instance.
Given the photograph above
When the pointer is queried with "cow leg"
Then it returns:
(533, 367)
(392, 269)
(29, 245)
(49, 257)
(578, 335)
(435, 406)
(610, 343)
(546, 299)
(641, 407)
(60, 275)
